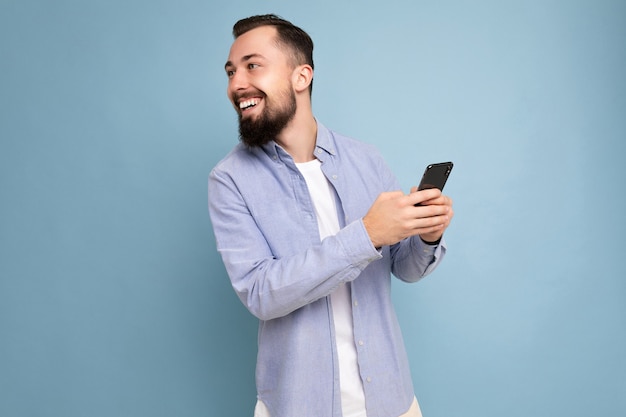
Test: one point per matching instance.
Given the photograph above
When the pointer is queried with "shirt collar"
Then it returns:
(324, 145)
(325, 142)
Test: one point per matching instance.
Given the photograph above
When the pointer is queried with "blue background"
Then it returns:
(113, 300)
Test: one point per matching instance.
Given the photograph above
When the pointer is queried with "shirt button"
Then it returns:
(361, 343)
(334, 177)
(369, 379)
(356, 303)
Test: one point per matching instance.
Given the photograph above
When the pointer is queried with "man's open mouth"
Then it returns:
(248, 104)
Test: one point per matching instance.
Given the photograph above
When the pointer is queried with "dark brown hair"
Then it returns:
(289, 35)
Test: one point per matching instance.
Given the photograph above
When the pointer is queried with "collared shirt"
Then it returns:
(266, 232)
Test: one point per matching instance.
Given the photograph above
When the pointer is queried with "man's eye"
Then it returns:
(230, 73)
(253, 66)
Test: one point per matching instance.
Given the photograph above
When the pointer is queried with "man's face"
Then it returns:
(260, 86)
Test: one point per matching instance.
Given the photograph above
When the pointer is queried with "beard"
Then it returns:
(268, 125)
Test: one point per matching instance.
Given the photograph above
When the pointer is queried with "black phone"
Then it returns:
(435, 176)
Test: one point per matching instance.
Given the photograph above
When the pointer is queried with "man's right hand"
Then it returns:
(394, 216)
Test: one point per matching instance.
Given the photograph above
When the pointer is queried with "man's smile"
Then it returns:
(248, 103)
(245, 103)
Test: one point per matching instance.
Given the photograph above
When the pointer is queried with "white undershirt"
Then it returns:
(351, 386)
(352, 396)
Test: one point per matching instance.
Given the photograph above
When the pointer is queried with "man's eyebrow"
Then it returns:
(244, 59)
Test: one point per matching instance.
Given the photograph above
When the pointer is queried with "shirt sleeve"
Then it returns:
(273, 287)
(413, 259)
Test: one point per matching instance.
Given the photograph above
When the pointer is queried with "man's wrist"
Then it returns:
(435, 243)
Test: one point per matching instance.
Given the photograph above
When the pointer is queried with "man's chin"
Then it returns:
(258, 127)
(252, 134)
(248, 118)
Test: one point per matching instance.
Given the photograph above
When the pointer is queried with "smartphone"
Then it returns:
(435, 176)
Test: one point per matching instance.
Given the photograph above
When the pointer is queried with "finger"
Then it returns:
(430, 222)
(424, 195)
(439, 201)
(424, 211)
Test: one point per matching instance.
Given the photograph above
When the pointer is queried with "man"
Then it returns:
(310, 225)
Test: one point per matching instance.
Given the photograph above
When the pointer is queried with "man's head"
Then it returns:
(288, 36)
(270, 70)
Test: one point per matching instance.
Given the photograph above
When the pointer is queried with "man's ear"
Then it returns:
(302, 77)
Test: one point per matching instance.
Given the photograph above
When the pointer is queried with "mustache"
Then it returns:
(248, 94)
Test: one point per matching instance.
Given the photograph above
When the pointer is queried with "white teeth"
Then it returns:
(248, 103)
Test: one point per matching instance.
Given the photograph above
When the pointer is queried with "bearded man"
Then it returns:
(310, 225)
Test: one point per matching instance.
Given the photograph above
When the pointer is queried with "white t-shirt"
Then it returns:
(352, 395)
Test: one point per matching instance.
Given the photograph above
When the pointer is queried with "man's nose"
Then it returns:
(238, 81)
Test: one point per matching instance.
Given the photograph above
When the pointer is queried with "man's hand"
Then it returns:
(394, 216)
(444, 202)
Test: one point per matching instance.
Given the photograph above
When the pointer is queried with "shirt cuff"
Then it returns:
(358, 245)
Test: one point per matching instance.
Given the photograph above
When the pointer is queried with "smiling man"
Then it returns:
(310, 225)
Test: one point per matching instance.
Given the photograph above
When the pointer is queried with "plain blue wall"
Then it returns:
(113, 300)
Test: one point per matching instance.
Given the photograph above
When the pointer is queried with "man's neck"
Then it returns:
(299, 137)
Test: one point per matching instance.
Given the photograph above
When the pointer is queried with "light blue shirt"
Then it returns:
(267, 234)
